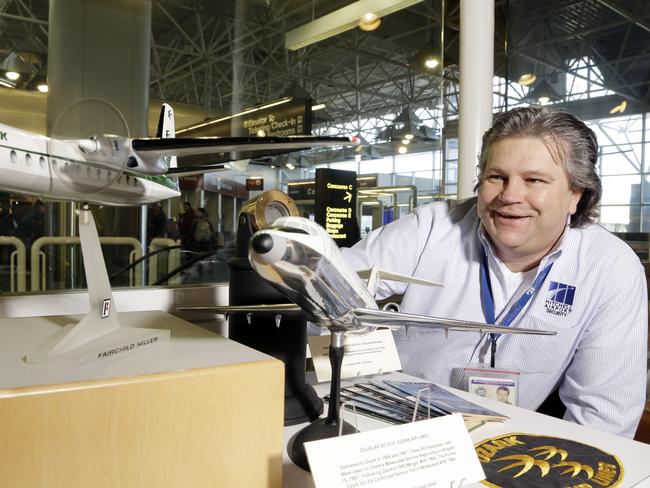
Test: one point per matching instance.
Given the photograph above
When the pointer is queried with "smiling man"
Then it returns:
(526, 252)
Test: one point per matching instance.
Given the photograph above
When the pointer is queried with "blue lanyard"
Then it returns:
(488, 301)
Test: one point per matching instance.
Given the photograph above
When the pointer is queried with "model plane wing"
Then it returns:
(187, 146)
(197, 170)
(273, 309)
(385, 318)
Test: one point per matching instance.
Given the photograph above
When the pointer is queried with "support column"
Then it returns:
(100, 49)
(476, 72)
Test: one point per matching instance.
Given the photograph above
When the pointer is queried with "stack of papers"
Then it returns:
(395, 402)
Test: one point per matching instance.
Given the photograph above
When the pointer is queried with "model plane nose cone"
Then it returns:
(262, 243)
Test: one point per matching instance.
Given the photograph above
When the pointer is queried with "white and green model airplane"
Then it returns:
(114, 170)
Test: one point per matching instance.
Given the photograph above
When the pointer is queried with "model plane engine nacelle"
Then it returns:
(267, 249)
(116, 151)
(148, 164)
(107, 149)
(392, 307)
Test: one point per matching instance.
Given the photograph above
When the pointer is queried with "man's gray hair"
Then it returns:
(571, 143)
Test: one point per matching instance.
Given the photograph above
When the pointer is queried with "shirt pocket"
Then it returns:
(543, 353)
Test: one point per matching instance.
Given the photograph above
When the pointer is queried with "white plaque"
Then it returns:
(365, 354)
(426, 454)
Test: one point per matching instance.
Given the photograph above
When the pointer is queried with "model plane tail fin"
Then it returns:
(167, 129)
(375, 275)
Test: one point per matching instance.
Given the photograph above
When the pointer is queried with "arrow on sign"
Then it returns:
(348, 196)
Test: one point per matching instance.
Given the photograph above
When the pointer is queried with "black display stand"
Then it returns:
(332, 425)
(288, 342)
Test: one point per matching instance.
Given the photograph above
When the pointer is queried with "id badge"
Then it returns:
(500, 384)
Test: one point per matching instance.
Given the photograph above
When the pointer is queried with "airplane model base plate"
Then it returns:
(323, 428)
(122, 341)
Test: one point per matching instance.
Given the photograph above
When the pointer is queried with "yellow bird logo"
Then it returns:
(550, 452)
(576, 468)
(526, 462)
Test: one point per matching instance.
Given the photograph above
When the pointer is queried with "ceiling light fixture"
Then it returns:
(620, 108)
(427, 58)
(431, 63)
(21, 62)
(341, 20)
(319, 106)
(527, 79)
(402, 150)
(43, 88)
(290, 166)
(543, 93)
(369, 22)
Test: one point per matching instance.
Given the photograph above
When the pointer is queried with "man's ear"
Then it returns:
(576, 195)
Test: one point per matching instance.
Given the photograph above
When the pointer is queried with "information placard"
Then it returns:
(372, 353)
(430, 453)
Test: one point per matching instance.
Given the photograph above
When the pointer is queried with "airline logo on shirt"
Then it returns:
(559, 298)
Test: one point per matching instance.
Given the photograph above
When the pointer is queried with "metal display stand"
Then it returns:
(98, 335)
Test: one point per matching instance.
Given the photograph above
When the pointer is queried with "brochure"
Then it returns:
(395, 401)
(438, 397)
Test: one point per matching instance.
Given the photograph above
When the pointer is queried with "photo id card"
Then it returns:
(501, 389)
(500, 384)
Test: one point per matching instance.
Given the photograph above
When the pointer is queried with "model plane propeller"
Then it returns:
(299, 258)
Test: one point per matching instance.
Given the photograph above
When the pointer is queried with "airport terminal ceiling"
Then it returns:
(222, 55)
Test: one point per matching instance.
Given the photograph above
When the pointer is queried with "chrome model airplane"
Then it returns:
(115, 170)
(299, 258)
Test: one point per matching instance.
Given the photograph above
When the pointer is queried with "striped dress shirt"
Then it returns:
(594, 298)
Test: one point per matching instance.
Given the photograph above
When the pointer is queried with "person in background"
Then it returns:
(171, 228)
(526, 252)
(185, 222)
(7, 229)
(202, 232)
(32, 224)
(156, 222)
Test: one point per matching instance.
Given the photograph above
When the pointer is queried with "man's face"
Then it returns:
(502, 395)
(524, 201)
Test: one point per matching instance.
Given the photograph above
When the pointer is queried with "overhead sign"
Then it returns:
(335, 206)
(306, 189)
(278, 118)
(254, 184)
(302, 190)
(218, 184)
(285, 117)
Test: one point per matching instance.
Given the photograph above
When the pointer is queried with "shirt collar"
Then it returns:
(551, 257)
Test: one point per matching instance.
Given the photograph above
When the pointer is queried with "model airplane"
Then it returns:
(115, 170)
(299, 258)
